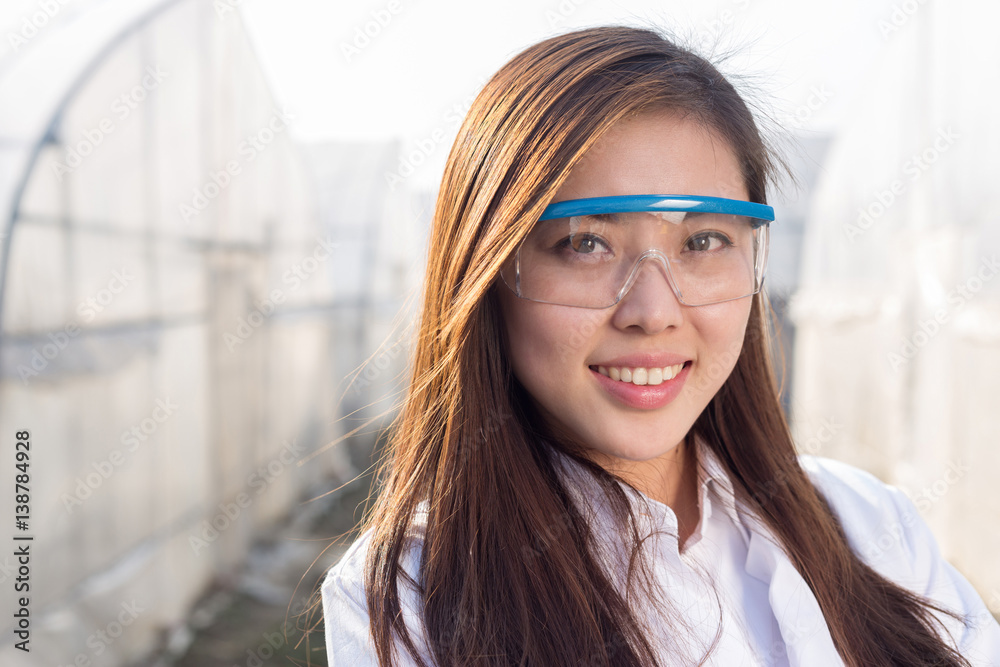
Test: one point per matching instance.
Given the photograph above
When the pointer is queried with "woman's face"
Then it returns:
(556, 351)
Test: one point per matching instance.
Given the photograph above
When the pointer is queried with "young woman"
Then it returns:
(591, 466)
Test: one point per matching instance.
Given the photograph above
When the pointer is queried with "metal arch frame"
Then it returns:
(47, 136)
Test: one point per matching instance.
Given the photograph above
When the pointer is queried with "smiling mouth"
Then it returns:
(640, 375)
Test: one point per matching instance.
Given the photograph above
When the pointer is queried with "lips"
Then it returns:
(643, 394)
(642, 369)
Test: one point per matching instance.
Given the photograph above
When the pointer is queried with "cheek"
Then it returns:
(726, 323)
(525, 342)
(723, 328)
(547, 342)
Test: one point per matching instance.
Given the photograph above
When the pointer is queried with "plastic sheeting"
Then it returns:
(179, 308)
(898, 313)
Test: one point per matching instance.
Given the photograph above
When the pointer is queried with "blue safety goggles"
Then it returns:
(589, 252)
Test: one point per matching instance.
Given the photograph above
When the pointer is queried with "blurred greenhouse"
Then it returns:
(898, 313)
(196, 311)
(183, 289)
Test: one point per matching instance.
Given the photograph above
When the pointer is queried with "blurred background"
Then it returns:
(213, 217)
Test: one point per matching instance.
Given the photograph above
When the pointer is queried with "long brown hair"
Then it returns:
(468, 442)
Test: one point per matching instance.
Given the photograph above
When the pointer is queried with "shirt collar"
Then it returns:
(712, 476)
(715, 492)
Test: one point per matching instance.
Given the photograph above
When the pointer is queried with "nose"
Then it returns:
(650, 303)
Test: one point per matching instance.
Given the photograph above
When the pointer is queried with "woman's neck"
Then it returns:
(671, 478)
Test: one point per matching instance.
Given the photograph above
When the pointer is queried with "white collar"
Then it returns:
(715, 492)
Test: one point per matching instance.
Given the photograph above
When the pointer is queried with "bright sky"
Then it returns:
(373, 70)
(378, 69)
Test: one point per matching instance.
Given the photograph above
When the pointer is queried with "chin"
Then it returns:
(636, 449)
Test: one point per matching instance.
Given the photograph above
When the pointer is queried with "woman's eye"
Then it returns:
(707, 242)
(585, 244)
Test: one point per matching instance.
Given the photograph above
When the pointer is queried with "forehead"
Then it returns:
(657, 152)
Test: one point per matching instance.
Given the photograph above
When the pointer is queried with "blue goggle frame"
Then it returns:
(634, 203)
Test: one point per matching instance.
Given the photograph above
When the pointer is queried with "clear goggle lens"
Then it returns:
(710, 250)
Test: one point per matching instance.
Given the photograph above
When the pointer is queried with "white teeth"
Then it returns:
(641, 376)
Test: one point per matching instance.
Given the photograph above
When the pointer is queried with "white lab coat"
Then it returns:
(881, 524)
